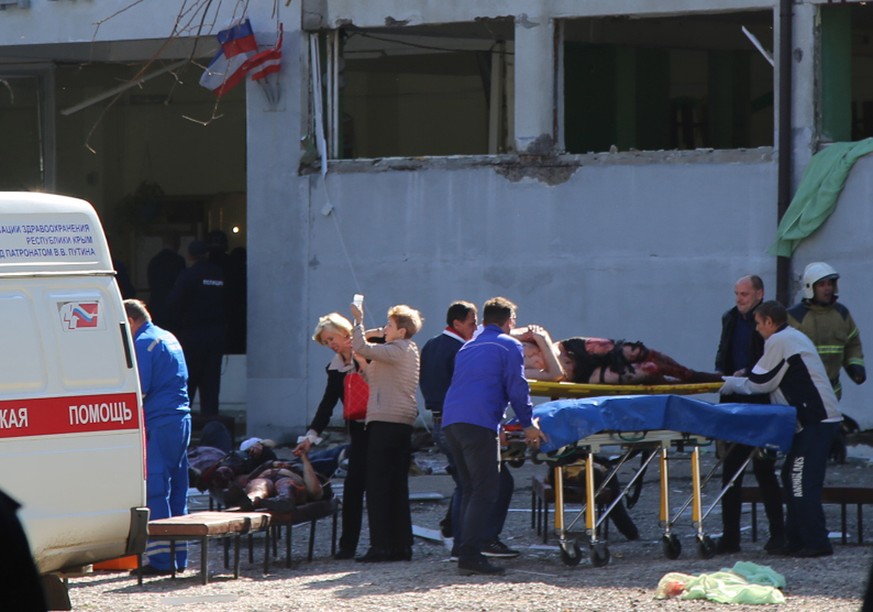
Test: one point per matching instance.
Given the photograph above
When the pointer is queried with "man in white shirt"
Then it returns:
(792, 372)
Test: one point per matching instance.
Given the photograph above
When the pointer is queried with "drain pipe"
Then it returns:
(783, 264)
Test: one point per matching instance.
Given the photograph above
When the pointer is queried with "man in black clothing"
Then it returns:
(19, 578)
(196, 307)
(163, 270)
(739, 349)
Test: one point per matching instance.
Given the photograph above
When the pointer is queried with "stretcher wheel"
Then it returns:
(599, 554)
(671, 546)
(572, 556)
(706, 547)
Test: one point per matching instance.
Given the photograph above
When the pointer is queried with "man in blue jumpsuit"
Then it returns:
(488, 375)
(163, 377)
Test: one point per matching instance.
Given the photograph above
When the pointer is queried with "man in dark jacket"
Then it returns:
(163, 270)
(739, 349)
(196, 306)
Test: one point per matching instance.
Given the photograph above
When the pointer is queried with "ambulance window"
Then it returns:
(87, 339)
(22, 363)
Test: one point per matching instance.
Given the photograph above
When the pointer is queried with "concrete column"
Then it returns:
(278, 205)
(534, 84)
(804, 87)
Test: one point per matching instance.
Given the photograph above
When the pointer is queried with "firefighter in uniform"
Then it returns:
(832, 329)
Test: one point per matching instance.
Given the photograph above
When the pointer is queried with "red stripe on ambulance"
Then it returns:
(63, 415)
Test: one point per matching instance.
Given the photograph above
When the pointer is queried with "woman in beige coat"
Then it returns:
(391, 412)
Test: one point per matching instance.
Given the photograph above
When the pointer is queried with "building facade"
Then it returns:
(612, 167)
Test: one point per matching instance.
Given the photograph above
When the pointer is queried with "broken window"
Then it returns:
(846, 81)
(424, 90)
(683, 82)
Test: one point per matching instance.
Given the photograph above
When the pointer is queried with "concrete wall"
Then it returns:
(647, 250)
(53, 22)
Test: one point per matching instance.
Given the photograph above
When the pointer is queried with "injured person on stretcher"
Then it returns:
(600, 361)
(275, 485)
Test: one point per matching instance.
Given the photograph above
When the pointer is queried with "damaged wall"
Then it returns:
(645, 250)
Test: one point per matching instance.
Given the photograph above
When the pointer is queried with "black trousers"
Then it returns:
(768, 483)
(476, 453)
(389, 450)
(204, 374)
(354, 487)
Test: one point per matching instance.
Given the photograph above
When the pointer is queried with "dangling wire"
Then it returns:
(321, 144)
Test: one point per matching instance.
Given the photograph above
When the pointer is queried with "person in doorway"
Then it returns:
(233, 269)
(196, 306)
(163, 270)
(832, 329)
(739, 349)
(163, 378)
(792, 372)
(335, 332)
(488, 375)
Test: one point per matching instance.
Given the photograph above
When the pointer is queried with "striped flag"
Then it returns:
(227, 68)
(266, 62)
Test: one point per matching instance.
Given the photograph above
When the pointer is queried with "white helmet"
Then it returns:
(815, 272)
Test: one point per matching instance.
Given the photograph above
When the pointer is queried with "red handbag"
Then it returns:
(356, 394)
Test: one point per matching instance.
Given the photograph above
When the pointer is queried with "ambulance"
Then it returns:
(72, 437)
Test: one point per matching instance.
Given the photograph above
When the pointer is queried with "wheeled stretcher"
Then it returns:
(651, 425)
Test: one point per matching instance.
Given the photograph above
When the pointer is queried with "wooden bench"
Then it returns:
(202, 526)
(307, 513)
(830, 495)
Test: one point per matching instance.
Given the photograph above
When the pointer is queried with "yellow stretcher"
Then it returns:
(652, 444)
(572, 390)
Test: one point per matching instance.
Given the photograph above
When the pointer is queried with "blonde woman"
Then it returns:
(392, 409)
(335, 332)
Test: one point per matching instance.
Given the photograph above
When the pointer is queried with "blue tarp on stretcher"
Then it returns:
(568, 421)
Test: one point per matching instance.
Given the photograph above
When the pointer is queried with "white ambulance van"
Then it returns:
(72, 438)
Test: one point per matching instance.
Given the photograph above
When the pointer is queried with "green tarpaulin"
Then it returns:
(817, 193)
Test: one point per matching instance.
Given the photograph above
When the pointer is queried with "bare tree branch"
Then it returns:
(195, 19)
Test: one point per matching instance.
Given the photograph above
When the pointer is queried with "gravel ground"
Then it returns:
(537, 580)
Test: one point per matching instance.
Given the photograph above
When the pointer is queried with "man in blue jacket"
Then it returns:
(489, 374)
(163, 377)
